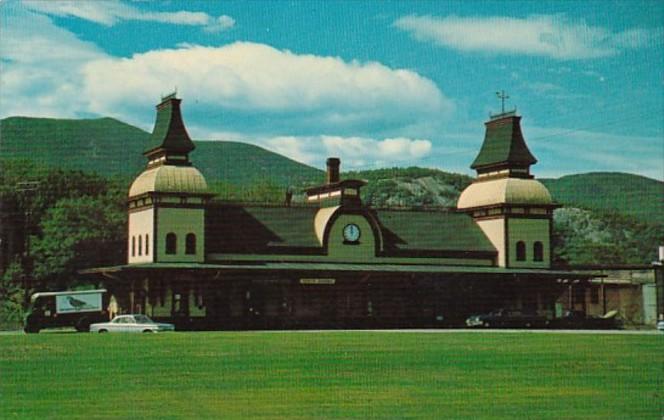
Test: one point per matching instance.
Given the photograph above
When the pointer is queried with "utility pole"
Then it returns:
(27, 188)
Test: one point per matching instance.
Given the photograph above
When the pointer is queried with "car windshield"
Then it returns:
(142, 319)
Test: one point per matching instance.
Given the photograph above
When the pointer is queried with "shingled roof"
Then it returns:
(169, 132)
(260, 229)
(503, 144)
(433, 231)
(238, 228)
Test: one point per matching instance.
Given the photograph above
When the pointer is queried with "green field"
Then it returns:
(332, 374)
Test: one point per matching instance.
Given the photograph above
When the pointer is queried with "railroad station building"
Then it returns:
(334, 262)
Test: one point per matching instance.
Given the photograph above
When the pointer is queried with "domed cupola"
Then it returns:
(512, 208)
(167, 201)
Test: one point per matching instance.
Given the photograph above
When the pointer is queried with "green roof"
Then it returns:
(169, 132)
(504, 144)
(431, 231)
(265, 229)
(326, 268)
(260, 229)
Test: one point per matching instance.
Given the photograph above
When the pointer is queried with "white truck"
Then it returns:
(77, 309)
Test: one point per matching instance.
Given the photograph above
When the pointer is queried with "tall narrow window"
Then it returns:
(171, 243)
(133, 246)
(520, 251)
(147, 244)
(140, 245)
(190, 248)
(538, 251)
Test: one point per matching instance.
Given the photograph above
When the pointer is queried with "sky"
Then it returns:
(378, 84)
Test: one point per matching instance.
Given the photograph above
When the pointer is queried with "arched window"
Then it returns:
(133, 246)
(538, 251)
(190, 246)
(140, 245)
(520, 251)
(147, 244)
(171, 243)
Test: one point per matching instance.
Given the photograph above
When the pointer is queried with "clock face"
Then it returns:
(352, 233)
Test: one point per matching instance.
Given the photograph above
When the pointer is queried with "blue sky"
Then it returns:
(375, 83)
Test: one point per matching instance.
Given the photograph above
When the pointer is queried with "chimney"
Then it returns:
(333, 170)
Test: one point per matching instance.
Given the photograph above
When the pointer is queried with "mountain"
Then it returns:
(113, 148)
(608, 217)
(627, 194)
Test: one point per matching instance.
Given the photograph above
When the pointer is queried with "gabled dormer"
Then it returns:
(336, 192)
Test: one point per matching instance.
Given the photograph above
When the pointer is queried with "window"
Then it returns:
(133, 246)
(190, 246)
(147, 244)
(171, 243)
(140, 245)
(520, 251)
(538, 251)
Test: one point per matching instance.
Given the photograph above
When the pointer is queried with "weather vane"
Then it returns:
(502, 95)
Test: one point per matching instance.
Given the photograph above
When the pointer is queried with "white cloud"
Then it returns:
(354, 152)
(553, 36)
(110, 12)
(41, 66)
(222, 23)
(249, 77)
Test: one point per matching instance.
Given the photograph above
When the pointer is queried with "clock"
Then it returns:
(352, 233)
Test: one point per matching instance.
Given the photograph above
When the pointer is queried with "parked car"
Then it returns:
(76, 309)
(507, 318)
(579, 320)
(131, 323)
(660, 326)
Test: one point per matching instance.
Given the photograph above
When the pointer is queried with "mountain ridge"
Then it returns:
(92, 145)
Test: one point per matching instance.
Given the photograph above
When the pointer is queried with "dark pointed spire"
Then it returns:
(169, 136)
(504, 146)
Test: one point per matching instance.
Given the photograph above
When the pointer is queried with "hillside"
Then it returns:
(627, 194)
(113, 148)
(608, 217)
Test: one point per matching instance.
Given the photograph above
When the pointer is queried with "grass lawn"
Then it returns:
(332, 374)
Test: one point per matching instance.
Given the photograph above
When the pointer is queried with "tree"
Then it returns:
(79, 233)
(12, 294)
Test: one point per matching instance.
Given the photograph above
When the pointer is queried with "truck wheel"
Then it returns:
(103, 331)
(83, 325)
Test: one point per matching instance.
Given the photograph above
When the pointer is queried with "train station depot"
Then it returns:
(334, 262)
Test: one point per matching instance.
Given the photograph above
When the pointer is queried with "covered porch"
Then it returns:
(279, 295)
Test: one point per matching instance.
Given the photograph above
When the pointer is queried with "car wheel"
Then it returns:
(148, 331)
(486, 324)
(529, 325)
(31, 330)
(103, 331)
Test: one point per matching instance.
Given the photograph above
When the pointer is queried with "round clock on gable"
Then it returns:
(352, 232)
